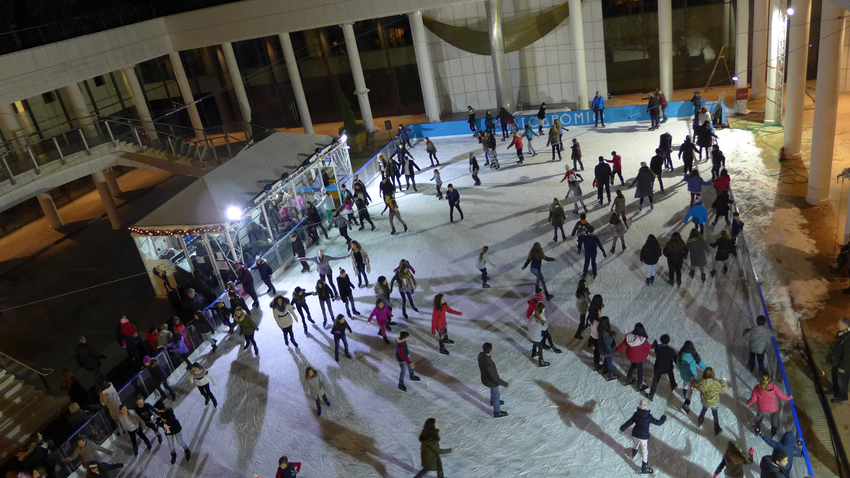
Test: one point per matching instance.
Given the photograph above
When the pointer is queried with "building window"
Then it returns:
(48, 97)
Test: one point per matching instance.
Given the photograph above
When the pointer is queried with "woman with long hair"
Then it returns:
(582, 304)
(637, 348)
(406, 286)
(536, 324)
(675, 251)
(710, 390)
(606, 347)
(557, 217)
(734, 460)
(688, 361)
(536, 257)
(285, 317)
(316, 387)
(618, 231)
(439, 326)
(697, 248)
(593, 313)
(248, 327)
(482, 264)
(764, 396)
(431, 451)
(649, 255)
(383, 315)
(201, 377)
(360, 262)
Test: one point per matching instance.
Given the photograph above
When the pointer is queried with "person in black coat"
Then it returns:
(773, 466)
(722, 205)
(314, 222)
(838, 357)
(718, 162)
(665, 363)
(386, 187)
(650, 253)
(653, 107)
(490, 379)
(641, 420)
(656, 165)
(473, 168)
(244, 277)
(489, 125)
(491, 144)
(504, 120)
(666, 146)
(407, 167)
(266, 272)
(591, 243)
(686, 154)
(346, 292)
(541, 118)
(299, 251)
(338, 333)
(725, 247)
(89, 359)
(471, 118)
(604, 177)
(299, 300)
(454, 202)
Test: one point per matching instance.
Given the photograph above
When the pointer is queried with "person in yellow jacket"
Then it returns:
(710, 389)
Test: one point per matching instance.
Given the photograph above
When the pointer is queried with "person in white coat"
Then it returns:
(316, 387)
(131, 424)
(109, 398)
(202, 377)
(536, 326)
(482, 264)
(284, 316)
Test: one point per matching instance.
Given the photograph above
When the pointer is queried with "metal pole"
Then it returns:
(8, 170)
(32, 158)
(186, 253)
(230, 243)
(214, 265)
(111, 137)
(268, 224)
(136, 133)
(227, 142)
(215, 154)
(61, 156)
(85, 143)
(200, 158)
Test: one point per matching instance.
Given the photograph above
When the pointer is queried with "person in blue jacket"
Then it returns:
(404, 136)
(695, 184)
(591, 243)
(536, 257)
(698, 215)
(688, 361)
(454, 202)
(790, 444)
(642, 419)
(598, 107)
(529, 134)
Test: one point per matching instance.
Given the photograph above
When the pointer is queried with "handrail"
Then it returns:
(776, 351)
(43, 372)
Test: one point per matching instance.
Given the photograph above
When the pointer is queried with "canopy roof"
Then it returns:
(234, 183)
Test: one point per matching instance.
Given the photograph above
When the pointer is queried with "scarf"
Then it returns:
(198, 375)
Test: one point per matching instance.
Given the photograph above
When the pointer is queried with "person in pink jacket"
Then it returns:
(637, 348)
(382, 314)
(764, 396)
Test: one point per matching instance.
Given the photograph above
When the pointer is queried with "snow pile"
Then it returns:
(564, 420)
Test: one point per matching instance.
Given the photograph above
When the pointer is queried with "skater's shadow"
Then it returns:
(491, 327)
(526, 180)
(356, 445)
(574, 415)
(197, 440)
(247, 389)
(425, 368)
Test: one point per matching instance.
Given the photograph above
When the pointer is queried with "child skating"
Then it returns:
(642, 419)
(382, 315)
(439, 326)
(482, 264)
(402, 355)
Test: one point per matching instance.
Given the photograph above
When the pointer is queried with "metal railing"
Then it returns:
(758, 306)
(24, 372)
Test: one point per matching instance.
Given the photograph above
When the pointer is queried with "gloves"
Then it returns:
(715, 475)
(523, 267)
(752, 451)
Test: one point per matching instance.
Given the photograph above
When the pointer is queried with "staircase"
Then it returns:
(131, 154)
(24, 410)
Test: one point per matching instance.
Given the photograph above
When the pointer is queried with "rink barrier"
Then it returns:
(614, 114)
(778, 358)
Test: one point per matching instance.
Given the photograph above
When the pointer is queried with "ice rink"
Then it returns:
(564, 420)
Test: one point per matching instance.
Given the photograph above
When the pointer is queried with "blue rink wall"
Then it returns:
(618, 114)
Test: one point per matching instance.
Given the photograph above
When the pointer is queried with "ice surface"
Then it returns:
(564, 420)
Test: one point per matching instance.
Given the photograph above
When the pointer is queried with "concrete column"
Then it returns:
(826, 103)
(81, 110)
(138, 95)
(795, 94)
(504, 93)
(48, 207)
(112, 181)
(759, 48)
(665, 46)
(11, 127)
(579, 65)
(25, 120)
(423, 63)
(742, 46)
(359, 81)
(107, 200)
(295, 80)
(774, 83)
(236, 79)
(186, 93)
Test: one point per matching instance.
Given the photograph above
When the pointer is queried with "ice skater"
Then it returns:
(536, 324)
(704, 136)
(383, 291)
(616, 167)
(758, 338)
(734, 460)
(431, 148)
(604, 179)
(490, 379)
(598, 107)
(346, 292)
(557, 217)
(695, 184)
(323, 265)
(764, 396)
(541, 118)
(725, 247)
(529, 134)
(594, 311)
(618, 231)
(438, 182)
(244, 277)
(473, 168)
(554, 140)
(299, 298)
(710, 389)
(656, 164)
(665, 364)
(201, 378)
(482, 264)
(147, 414)
(266, 272)
(470, 111)
(619, 206)
(574, 189)
(653, 107)
(645, 181)
(409, 168)
(641, 420)
(606, 347)
(698, 215)
(363, 214)
(675, 251)
(341, 224)
(316, 387)
(361, 263)
(172, 429)
(536, 257)
(575, 155)
(665, 146)
(688, 361)
(517, 143)
(581, 229)
(686, 154)
(453, 196)
(392, 205)
(402, 355)
(323, 292)
(284, 316)
(697, 249)
(591, 244)
(382, 315)
(298, 250)
(248, 327)
(404, 275)
(429, 441)
(582, 303)
(722, 205)
(439, 326)
(404, 135)
(130, 423)
(285, 469)
(338, 333)
(637, 347)
(650, 253)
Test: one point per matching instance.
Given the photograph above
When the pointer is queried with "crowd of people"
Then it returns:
(603, 341)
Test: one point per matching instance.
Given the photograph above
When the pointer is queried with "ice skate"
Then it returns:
(173, 457)
(188, 453)
(633, 452)
(543, 364)
(402, 387)
(646, 470)
(500, 414)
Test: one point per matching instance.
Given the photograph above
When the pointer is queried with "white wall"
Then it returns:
(541, 72)
(844, 79)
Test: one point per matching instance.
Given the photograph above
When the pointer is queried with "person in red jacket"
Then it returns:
(637, 348)
(517, 142)
(532, 303)
(722, 182)
(616, 167)
(438, 321)
(764, 396)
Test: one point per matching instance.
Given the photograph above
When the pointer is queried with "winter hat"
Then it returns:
(643, 405)
(538, 297)
(124, 320)
(643, 164)
(698, 200)
(146, 360)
